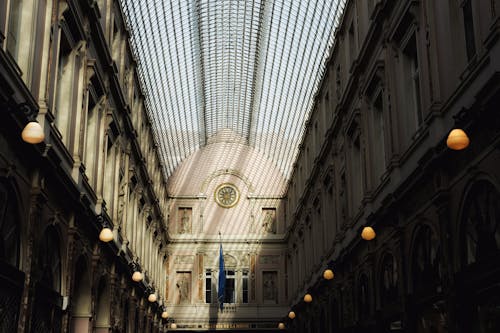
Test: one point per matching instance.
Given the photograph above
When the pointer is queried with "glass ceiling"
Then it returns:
(249, 68)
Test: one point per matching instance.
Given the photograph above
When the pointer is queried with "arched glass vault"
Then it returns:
(251, 67)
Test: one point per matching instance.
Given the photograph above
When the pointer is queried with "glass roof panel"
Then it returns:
(251, 67)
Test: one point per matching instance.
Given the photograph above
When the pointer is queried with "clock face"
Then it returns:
(226, 195)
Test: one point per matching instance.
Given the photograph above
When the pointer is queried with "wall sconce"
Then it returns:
(137, 275)
(291, 315)
(308, 298)
(151, 295)
(173, 326)
(368, 233)
(457, 139)
(328, 274)
(281, 326)
(33, 133)
(106, 234)
(164, 313)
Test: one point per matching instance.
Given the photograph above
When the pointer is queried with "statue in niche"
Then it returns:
(121, 200)
(183, 287)
(185, 221)
(270, 289)
(269, 222)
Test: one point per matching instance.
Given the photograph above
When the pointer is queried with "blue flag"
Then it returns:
(222, 279)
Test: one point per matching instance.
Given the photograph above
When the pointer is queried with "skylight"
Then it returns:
(250, 67)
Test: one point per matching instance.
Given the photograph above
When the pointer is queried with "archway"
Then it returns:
(81, 298)
(102, 307)
(11, 278)
(48, 301)
(479, 248)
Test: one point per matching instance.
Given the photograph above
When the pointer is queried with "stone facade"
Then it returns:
(68, 65)
(401, 75)
(234, 199)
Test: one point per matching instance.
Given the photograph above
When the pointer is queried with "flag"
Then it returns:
(222, 279)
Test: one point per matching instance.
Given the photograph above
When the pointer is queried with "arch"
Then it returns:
(103, 306)
(230, 262)
(334, 312)
(425, 260)
(363, 296)
(9, 225)
(81, 303)
(388, 279)
(127, 322)
(221, 172)
(47, 314)
(479, 228)
(50, 259)
(322, 323)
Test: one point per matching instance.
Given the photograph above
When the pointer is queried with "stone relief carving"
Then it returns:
(183, 286)
(269, 287)
(185, 220)
(269, 220)
(245, 260)
(269, 259)
(184, 259)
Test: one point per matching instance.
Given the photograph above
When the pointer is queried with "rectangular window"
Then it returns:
(208, 286)
(410, 84)
(470, 41)
(229, 292)
(14, 27)
(378, 145)
(352, 42)
(64, 92)
(356, 177)
(245, 286)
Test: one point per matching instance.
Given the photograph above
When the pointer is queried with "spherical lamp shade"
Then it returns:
(281, 326)
(457, 139)
(152, 297)
(328, 274)
(33, 133)
(368, 233)
(173, 326)
(291, 315)
(106, 235)
(308, 298)
(164, 314)
(137, 276)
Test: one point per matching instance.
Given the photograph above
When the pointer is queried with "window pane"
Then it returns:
(245, 287)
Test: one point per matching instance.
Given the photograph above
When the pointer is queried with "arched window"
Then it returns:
(426, 266)
(50, 260)
(389, 280)
(335, 314)
(481, 224)
(47, 312)
(103, 305)
(363, 297)
(81, 298)
(9, 227)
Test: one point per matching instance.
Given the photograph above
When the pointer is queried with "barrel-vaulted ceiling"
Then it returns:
(245, 67)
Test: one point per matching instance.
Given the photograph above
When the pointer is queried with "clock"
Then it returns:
(226, 195)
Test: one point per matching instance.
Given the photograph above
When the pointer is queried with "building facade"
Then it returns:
(401, 75)
(68, 65)
(216, 201)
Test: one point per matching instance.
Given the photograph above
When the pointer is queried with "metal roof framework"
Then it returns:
(246, 67)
